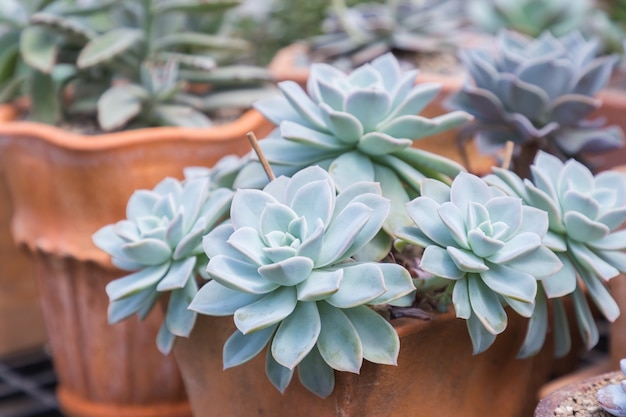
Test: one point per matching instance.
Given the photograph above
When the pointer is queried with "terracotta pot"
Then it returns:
(578, 398)
(437, 375)
(292, 63)
(19, 303)
(64, 187)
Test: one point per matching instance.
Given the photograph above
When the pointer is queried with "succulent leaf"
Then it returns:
(108, 46)
(38, 49)
(119, 104)
(240, 348)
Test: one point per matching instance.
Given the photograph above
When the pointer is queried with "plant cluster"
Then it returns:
(299, 260)
(129, 62)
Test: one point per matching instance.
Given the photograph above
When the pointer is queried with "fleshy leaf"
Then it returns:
(240, 348)
(338, 342)
(380, 341)
(214, 299)
(316, 375)
(267, 311)
(297, 335)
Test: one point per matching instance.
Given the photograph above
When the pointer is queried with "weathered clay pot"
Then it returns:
(578, 398)
(292, 63)
(64, 187)
(19, 303)
(437, 375)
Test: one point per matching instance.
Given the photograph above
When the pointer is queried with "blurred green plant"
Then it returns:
(129, 62)
(531, 17)
(355, 35)
(274, 24)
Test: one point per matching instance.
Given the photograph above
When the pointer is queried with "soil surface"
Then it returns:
(583, 403)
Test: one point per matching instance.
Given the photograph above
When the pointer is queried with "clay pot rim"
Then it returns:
(79, 142)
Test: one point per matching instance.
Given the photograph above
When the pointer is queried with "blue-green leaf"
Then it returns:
(297, 335)
(214, 299)
(338, 342)
(315, 374)
(361, 283)
(240, 348)
(269, 310)
(136, 282)
(379, 339)
(278, 375)
(320, 285)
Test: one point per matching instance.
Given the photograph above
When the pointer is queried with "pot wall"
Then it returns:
(437, 375)
(19, 303)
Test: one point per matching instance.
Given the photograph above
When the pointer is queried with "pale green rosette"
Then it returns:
(161, 241)
(283, 268)
(487, 245)
(359, 127)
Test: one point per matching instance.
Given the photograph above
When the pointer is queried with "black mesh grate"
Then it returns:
(27, 384)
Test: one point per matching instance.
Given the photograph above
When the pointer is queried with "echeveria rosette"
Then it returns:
(487, 245)
(585, 214)
(537, 92)
(283, 268)
(161, 241)
(359, 127)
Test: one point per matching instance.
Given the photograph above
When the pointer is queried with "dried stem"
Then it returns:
(257, 149)
(508, 155)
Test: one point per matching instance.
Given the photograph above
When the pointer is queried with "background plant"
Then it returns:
(530, 17)
(358, 34)
(538, 93)
(130, 39)
(275, 24)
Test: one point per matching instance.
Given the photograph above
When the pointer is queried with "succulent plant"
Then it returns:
(365, 31)
(34, 59)
(485, 246)
(612, 397)
(537, 93)
(585, 213)
(107, 54)
(531, 17)
(284, 268)
(161, 242)
(359, 127)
